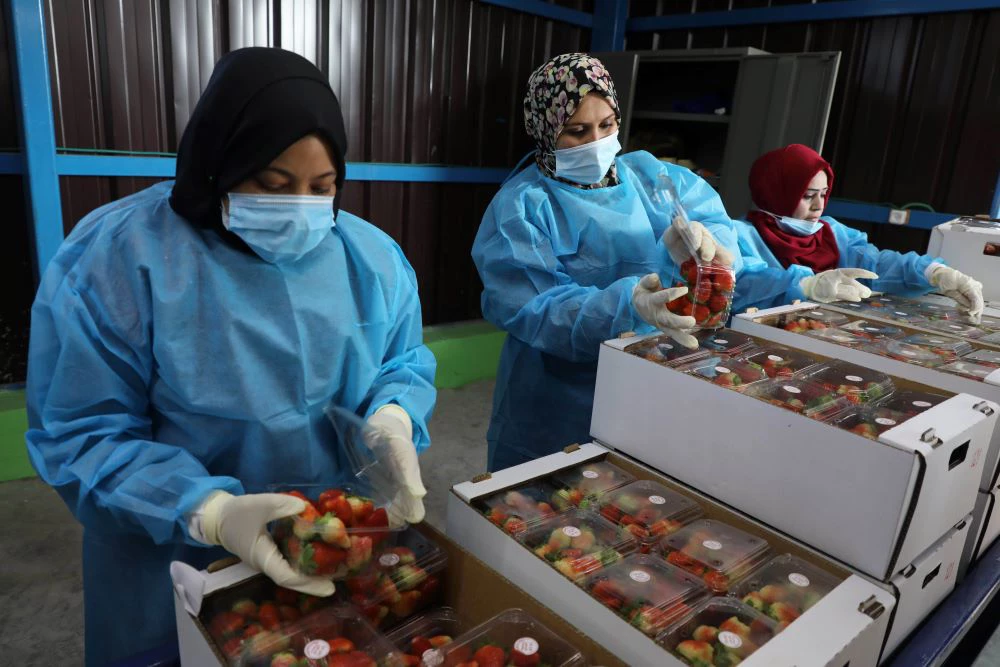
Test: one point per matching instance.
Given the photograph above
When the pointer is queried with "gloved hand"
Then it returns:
(837, 285)
(650, 300)
(964, 289)
(682, 238)
(239, 525)
(393, 424)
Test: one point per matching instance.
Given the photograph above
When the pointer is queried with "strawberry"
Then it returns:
(611, 513)
(701, 314)
(253, 629)
(407, 604)
(420, 645)
(519, 659)
(689, 270)
(430, 586)
(411, 661)
(232, 648)
(352, 659)
(687, 310)
(438, 641)
(496, 516)
(723, 281)
(284, 659)
(342, 509)
(361, 508)
(677, 305)
(325, 500)
(341, 645)
(703, 292)
(269, 616)
(490, 656)
(305, 523)
(288, 613)
(378, 519)
(286, 596)
(332, 530)
(245, 607)
(309, 603)
(226, 624)
(717, 581)
(718, 303)
(360, 552)
(301, 496)
(322, 559)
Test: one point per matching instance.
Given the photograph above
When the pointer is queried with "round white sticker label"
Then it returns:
(432, 657)
(721, 341)
(388, 560)
(885, 421)
(854, 378)
(901, 313)
(937, 341)
(909, 353)
(667, 345)
(730, 639)
(571, 531)
(922, 404)
(792, 390)
(714, 545)
(316, 649)
(657, 500)
(955, 327)
(774, 357)
(639, 575)
(800, 580)
(590, 474)
(817, 313)
(526, 646)
(722, 370)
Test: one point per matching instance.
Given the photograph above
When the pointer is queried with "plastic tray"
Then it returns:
(984, 357)
(778, 361)
(989, 324)
(512, 637)
(648, 510)
(802, 321)
(580, 485)
(726, 372)
(517, 509)
(839, 337)
(427, 632)
(869, 422)
(710, 294)
(937, 311)
(911, 354)
(968, 369)
(857, 384)
(801, 396)
(946, 348)
(665, 351)
(873, 330)
(320, 640)
(721, 631)
(725, 342)
(578, 543)
(401, 580)
(646, 592)
(717, 552)
(785, 588)
(953, 328)
(912, 403)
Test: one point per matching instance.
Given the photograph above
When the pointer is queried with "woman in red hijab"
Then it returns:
(791, 251)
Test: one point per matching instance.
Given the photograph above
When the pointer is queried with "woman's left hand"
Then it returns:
(964, 289)
(685, 240)
(395, 428)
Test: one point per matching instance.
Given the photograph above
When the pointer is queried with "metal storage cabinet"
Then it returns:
(770, 101)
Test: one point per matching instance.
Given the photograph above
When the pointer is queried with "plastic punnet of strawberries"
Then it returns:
(710, 293)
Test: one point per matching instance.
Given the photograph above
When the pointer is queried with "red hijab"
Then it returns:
(778, 180)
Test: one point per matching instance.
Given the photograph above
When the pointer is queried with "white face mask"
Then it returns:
(795, 226)
(588, 163)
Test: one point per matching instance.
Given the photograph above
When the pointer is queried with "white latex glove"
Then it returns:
(650, 301)
(684, 238)
(964, 289)
(395, 426)
(239, 525)
(837, 285)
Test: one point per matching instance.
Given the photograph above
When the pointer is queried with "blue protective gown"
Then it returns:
(165, 364)
(765, 283)
(559, 264)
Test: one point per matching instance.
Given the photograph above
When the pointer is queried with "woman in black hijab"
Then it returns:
(186, 340)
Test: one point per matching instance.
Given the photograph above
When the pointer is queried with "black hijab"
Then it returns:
(258, 102)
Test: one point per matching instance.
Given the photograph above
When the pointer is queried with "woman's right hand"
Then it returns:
(649, 300)
(837, 285)
(685, 240)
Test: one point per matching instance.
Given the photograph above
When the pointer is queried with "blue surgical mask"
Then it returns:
(281, 229)
(588, 163)
(796, 226)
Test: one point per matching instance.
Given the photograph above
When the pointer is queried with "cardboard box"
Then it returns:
(849, 625)
(984, 530)
(973, 247)
(474, 590)
(752, 324)
(882, 503)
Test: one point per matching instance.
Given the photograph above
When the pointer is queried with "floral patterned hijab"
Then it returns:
(555, 90)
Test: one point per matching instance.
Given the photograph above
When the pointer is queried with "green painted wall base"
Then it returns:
(466, 352)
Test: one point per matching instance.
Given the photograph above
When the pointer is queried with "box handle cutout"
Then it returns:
(958, 455)
(908, 571)
(930, 437)
(871, 608)
(960, 525)
(983, 407)
(931, 576)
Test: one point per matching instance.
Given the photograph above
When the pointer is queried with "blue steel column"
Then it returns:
(995, 208)
(608, 33)
(38, 139)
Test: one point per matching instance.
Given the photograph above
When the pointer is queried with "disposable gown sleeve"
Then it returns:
(761, 284)
(702, 203)
(90, 430)
(898, 273)
(406, 377)
(528, 293)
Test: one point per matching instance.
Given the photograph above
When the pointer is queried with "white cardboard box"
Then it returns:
(990, 389)
(984, 530)
(882, 503)
(968, 249)
(834, 632)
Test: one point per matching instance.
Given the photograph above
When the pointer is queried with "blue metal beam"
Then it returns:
(27, 31)
(11, 163)
(995, 207)
(608, 33)
(840, 208)
(116, 165)
(824, 11)
(545, 10)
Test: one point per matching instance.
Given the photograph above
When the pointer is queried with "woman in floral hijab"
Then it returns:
(569, 251)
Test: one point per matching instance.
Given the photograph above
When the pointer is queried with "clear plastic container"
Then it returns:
(665, 351)
(786, 588)
(839, 337)
(580, 485)
(401, 580)
(993, 338)
(953, 328)
(648, 510)
(936, 311)
(904, 314)
(801, 396)
(816, 319)
(989, 324)
(512, 637)
(648, 593)
(946, 348)
(578, 543)
(726, 372)
(710, 294)
(721, 631)
(869, 422)
(969, 369)
(717, 552)
(984, 357)
(517, 509)
(725, 342)
(426, 632)
(911, 354)
(872, 330)
(912, 403)
(856, 383)
(779, 361)
(332, 636)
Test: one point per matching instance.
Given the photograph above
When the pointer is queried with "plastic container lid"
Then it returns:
(517, 509)
(912, 354)
(779, 361)
(986, 357)
(724, 341)
(801, 396)
(857, 384)
(839, 337)
(901, 314)
(912, 402)
(427, 632)
(785, 588)
(648, 510)
(990, 324)
(954, 328)
(801, 321)
(869, 422)
(727, 372)
(949, 348)
(710, 294)
(873, 330)
(664, 350)
(580, 485)
(721, 631)
(717, 552)
(578, 543)
(318, 639)
(969, 369)
(993, 338)
(516, 635)
(648, 593)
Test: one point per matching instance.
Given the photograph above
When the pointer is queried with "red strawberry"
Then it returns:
(701, 314)
(407, 604)
(286, 596)
(646, 515)
(269, 616)
(232, 647)
(419, 645)
(718, 303)
(689, 270)
(253, 629)
(378, 519)
(309, 603)
(325, 558)
(326, 499)
(411, 661)
(687, 309)
(288, 613)
(611, 513)
(519, 659)
(300, 496)
(341, 645)
(352, 659)
(723, 281)
(437, 641)
(245, 607)
(703, 292)
(717, 581)
(677, 304)
(362, 508)
(342, 510)
(363, 583)
(490, 656)
(226, 624)
(430, 586)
